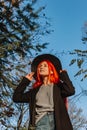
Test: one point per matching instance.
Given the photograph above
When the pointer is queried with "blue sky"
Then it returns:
(67, 18)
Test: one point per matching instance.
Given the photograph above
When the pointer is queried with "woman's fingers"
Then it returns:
(30, 76)
(62, 71)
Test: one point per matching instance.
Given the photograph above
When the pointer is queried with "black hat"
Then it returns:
(53, 59)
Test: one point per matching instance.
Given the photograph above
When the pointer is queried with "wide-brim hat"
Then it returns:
(53, 59)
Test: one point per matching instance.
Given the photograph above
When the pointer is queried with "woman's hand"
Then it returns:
(62, 71)
(30, 76)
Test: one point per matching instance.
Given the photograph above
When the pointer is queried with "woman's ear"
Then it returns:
(51, 72)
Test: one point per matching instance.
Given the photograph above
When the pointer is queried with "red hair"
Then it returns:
(53, 78)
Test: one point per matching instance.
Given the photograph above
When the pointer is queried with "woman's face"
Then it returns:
(43, 69)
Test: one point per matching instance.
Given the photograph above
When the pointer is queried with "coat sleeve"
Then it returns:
(19, 95)
(66, 86)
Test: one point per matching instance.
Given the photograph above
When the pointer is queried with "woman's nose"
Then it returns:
(41, 67)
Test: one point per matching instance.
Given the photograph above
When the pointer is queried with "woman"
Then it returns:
(47, 98)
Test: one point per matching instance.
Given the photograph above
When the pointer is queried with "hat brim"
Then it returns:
(53, 59)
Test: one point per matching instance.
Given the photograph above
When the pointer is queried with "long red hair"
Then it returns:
(53, 77)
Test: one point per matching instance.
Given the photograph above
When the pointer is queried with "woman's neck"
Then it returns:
(46, 81)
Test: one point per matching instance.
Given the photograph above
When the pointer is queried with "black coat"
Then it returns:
(60, 91)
